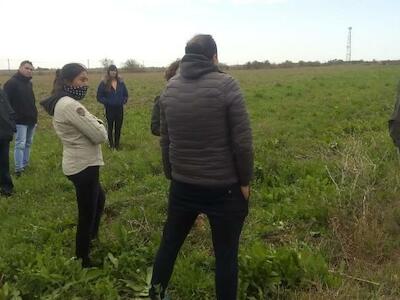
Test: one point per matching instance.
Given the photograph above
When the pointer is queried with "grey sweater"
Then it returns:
(205, 130)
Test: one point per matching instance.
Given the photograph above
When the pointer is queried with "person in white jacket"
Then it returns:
(81, 134)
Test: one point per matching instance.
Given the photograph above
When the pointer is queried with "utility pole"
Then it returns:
(8, 63)
(348, 52)
(88, 64)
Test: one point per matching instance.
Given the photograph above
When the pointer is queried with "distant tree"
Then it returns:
(267, 64)
(106, 62)
(223, 66)
(132, 65)
(335, 62)
(258, 65)
(41, 69)
(287, 64)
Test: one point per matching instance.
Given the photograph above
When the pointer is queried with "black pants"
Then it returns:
(226, 210)
(115, 117)
(90, 198)
(6, 185)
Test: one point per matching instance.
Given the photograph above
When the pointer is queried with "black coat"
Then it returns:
(22, 99)
(155, 117)
(7, 123)
(205, 130)
(394, 121)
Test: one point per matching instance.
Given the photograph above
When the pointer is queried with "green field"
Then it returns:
(324, 220)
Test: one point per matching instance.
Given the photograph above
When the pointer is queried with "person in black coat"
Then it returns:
(155, 115)
(113, 94)
(20, 94)
(7, 129)
(394, 121)
(207, 153)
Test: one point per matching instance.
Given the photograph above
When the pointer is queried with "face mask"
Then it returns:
(76, 92)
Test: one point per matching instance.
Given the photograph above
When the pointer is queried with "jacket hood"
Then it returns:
(194, 66)
(50, 103)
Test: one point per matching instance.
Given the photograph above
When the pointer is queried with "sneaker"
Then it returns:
(18, 174)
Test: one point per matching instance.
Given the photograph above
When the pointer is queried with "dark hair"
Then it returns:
(202, 44)
(108, 79)
(171, 70)
(25, 62)
(66, 75)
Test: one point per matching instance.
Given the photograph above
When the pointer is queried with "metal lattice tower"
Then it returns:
(348, 52)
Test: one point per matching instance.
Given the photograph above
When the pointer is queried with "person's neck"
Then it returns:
(114, 83)
(22, 76)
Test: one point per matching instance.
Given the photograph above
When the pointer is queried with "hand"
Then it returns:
(245, 191)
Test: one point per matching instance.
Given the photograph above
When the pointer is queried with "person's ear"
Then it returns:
(215, 59)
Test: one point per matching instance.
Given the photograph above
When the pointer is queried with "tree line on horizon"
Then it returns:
(132, 65)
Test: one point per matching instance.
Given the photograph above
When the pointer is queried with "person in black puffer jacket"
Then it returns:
(7, 129)
(22, 99)
(207, 153)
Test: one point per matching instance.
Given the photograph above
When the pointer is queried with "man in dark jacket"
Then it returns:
(7, 129)
(207, 154)
(22, 99)
(394, 121)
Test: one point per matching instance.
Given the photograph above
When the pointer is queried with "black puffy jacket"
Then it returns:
(205, 130)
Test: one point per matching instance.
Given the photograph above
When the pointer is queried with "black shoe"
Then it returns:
(156, 292)
(18, 174)
(86, 263)
(6, 193)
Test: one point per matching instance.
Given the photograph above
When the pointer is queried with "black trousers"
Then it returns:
(6, 184)
(115, 117)
(90, 197)
(226, 210)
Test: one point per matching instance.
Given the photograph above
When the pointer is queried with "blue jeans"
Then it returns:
(23, 142)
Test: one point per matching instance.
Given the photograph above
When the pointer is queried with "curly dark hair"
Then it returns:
(171, 69)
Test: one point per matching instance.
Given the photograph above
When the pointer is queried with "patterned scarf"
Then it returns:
(76, 92)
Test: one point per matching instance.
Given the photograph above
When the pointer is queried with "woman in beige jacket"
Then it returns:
(81, 134)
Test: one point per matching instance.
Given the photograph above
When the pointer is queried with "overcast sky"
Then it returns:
(154, 32)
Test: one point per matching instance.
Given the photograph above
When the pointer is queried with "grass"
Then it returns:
(324, 216)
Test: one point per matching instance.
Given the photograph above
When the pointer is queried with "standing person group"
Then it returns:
(81, 134)
(206, 146)
(22, 99)
(113, 94)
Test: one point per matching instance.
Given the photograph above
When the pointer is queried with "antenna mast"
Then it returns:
(348, 52)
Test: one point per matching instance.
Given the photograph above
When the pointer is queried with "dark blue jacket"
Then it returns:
(113, 97)
(7, 123)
